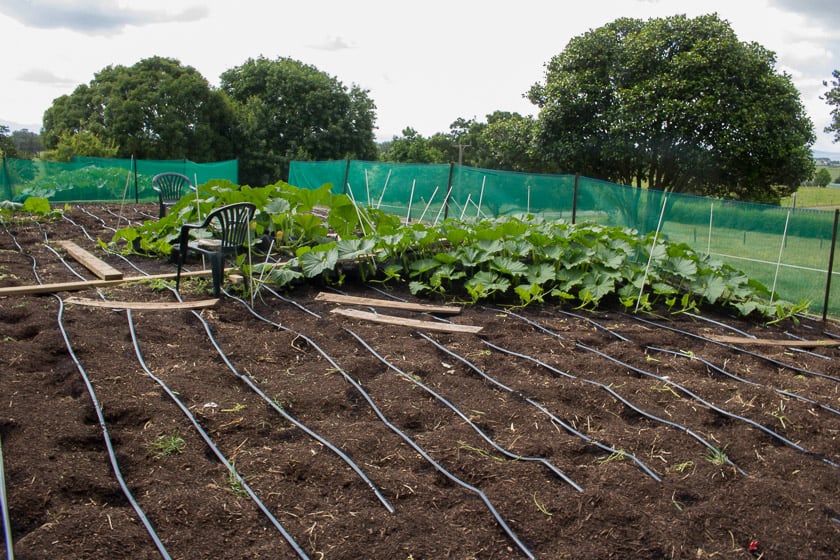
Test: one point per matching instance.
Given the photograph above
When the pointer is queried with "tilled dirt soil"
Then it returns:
(552, 433)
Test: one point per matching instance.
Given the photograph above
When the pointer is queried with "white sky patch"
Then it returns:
(424, 64)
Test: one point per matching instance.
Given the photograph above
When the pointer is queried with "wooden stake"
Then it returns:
(144, 305)
(774, 341)
(392, 320)
(87, 284)
(352, 300)
(96, 265)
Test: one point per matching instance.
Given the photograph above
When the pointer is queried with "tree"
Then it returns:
(27, 143)
(7, 147)
(156, 109)
(822, 177)
(84, 143)
(412, 147)
(832, 97)
(675, 104)
(508, 142)
(288, 110)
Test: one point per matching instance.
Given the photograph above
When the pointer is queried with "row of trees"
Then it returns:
(670, 103)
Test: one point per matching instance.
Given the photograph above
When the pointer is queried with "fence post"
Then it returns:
(830, 264)
(346, 176)
(574, 198)
(448, 192)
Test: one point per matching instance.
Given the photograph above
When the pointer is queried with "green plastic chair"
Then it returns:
(230, 228)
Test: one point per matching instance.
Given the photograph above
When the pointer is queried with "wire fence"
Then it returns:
(789, 250)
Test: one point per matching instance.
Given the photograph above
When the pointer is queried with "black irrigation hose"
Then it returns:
(209, 441)
(708, 404)
(4, 509)
(688, 392)
(541, 408)
(111, 454)
(596, 324)
(748, 335)
(274, 405)
(403, 435)
(735, 349)
(108, 444)
(731, 375)
(464, 417)
(623, 400)
(277, 408)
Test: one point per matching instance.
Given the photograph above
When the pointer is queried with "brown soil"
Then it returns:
(548, 408)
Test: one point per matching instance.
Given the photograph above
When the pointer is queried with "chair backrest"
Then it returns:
(231, 223)
(170, 185)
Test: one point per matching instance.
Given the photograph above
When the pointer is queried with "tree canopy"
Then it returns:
(675, 104)
(832, 97)
(7, 147)
(155, 109)
(288, 110)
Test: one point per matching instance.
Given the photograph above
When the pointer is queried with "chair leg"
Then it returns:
(217, 265)
(182, 255)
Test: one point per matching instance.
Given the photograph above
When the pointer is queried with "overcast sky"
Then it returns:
(424, 64)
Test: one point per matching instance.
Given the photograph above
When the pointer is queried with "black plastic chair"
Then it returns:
(170, 187)
(230, 226)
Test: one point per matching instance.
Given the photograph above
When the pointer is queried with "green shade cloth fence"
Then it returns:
(88, 179)
(786, 248)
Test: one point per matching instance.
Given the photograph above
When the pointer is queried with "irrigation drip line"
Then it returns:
(803, 350)
(621, 399)
(95, 217)
(4, 509)
(541, 408)
(108, 444)
(101, 418)
(84, 231)
(710, 405)
(748, 335)
(231, 469)
(595, 324)
(717, 368)
(731, 375)
(768, 359)
(405, 437)
(688, 392)
(550, 466)
(277, 408)
(209, 441)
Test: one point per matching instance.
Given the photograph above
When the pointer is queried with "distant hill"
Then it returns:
(834, 156)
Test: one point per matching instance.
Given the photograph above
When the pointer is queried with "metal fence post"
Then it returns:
(830, 264)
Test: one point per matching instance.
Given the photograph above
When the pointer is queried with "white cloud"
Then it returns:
(45, 77)
(89, 16)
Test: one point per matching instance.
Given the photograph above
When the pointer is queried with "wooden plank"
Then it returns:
(100, 268)
(88, 284)
(402, 321)
(775, 342)
(145, 305)
(353, 300)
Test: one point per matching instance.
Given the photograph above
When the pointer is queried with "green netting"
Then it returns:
(782, 247)
(87, 179)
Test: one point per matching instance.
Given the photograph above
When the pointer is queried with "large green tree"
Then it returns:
(832, 97)
(7, 147)
(155, 109)
(413, 147)
(675, 104)
(288, 110)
